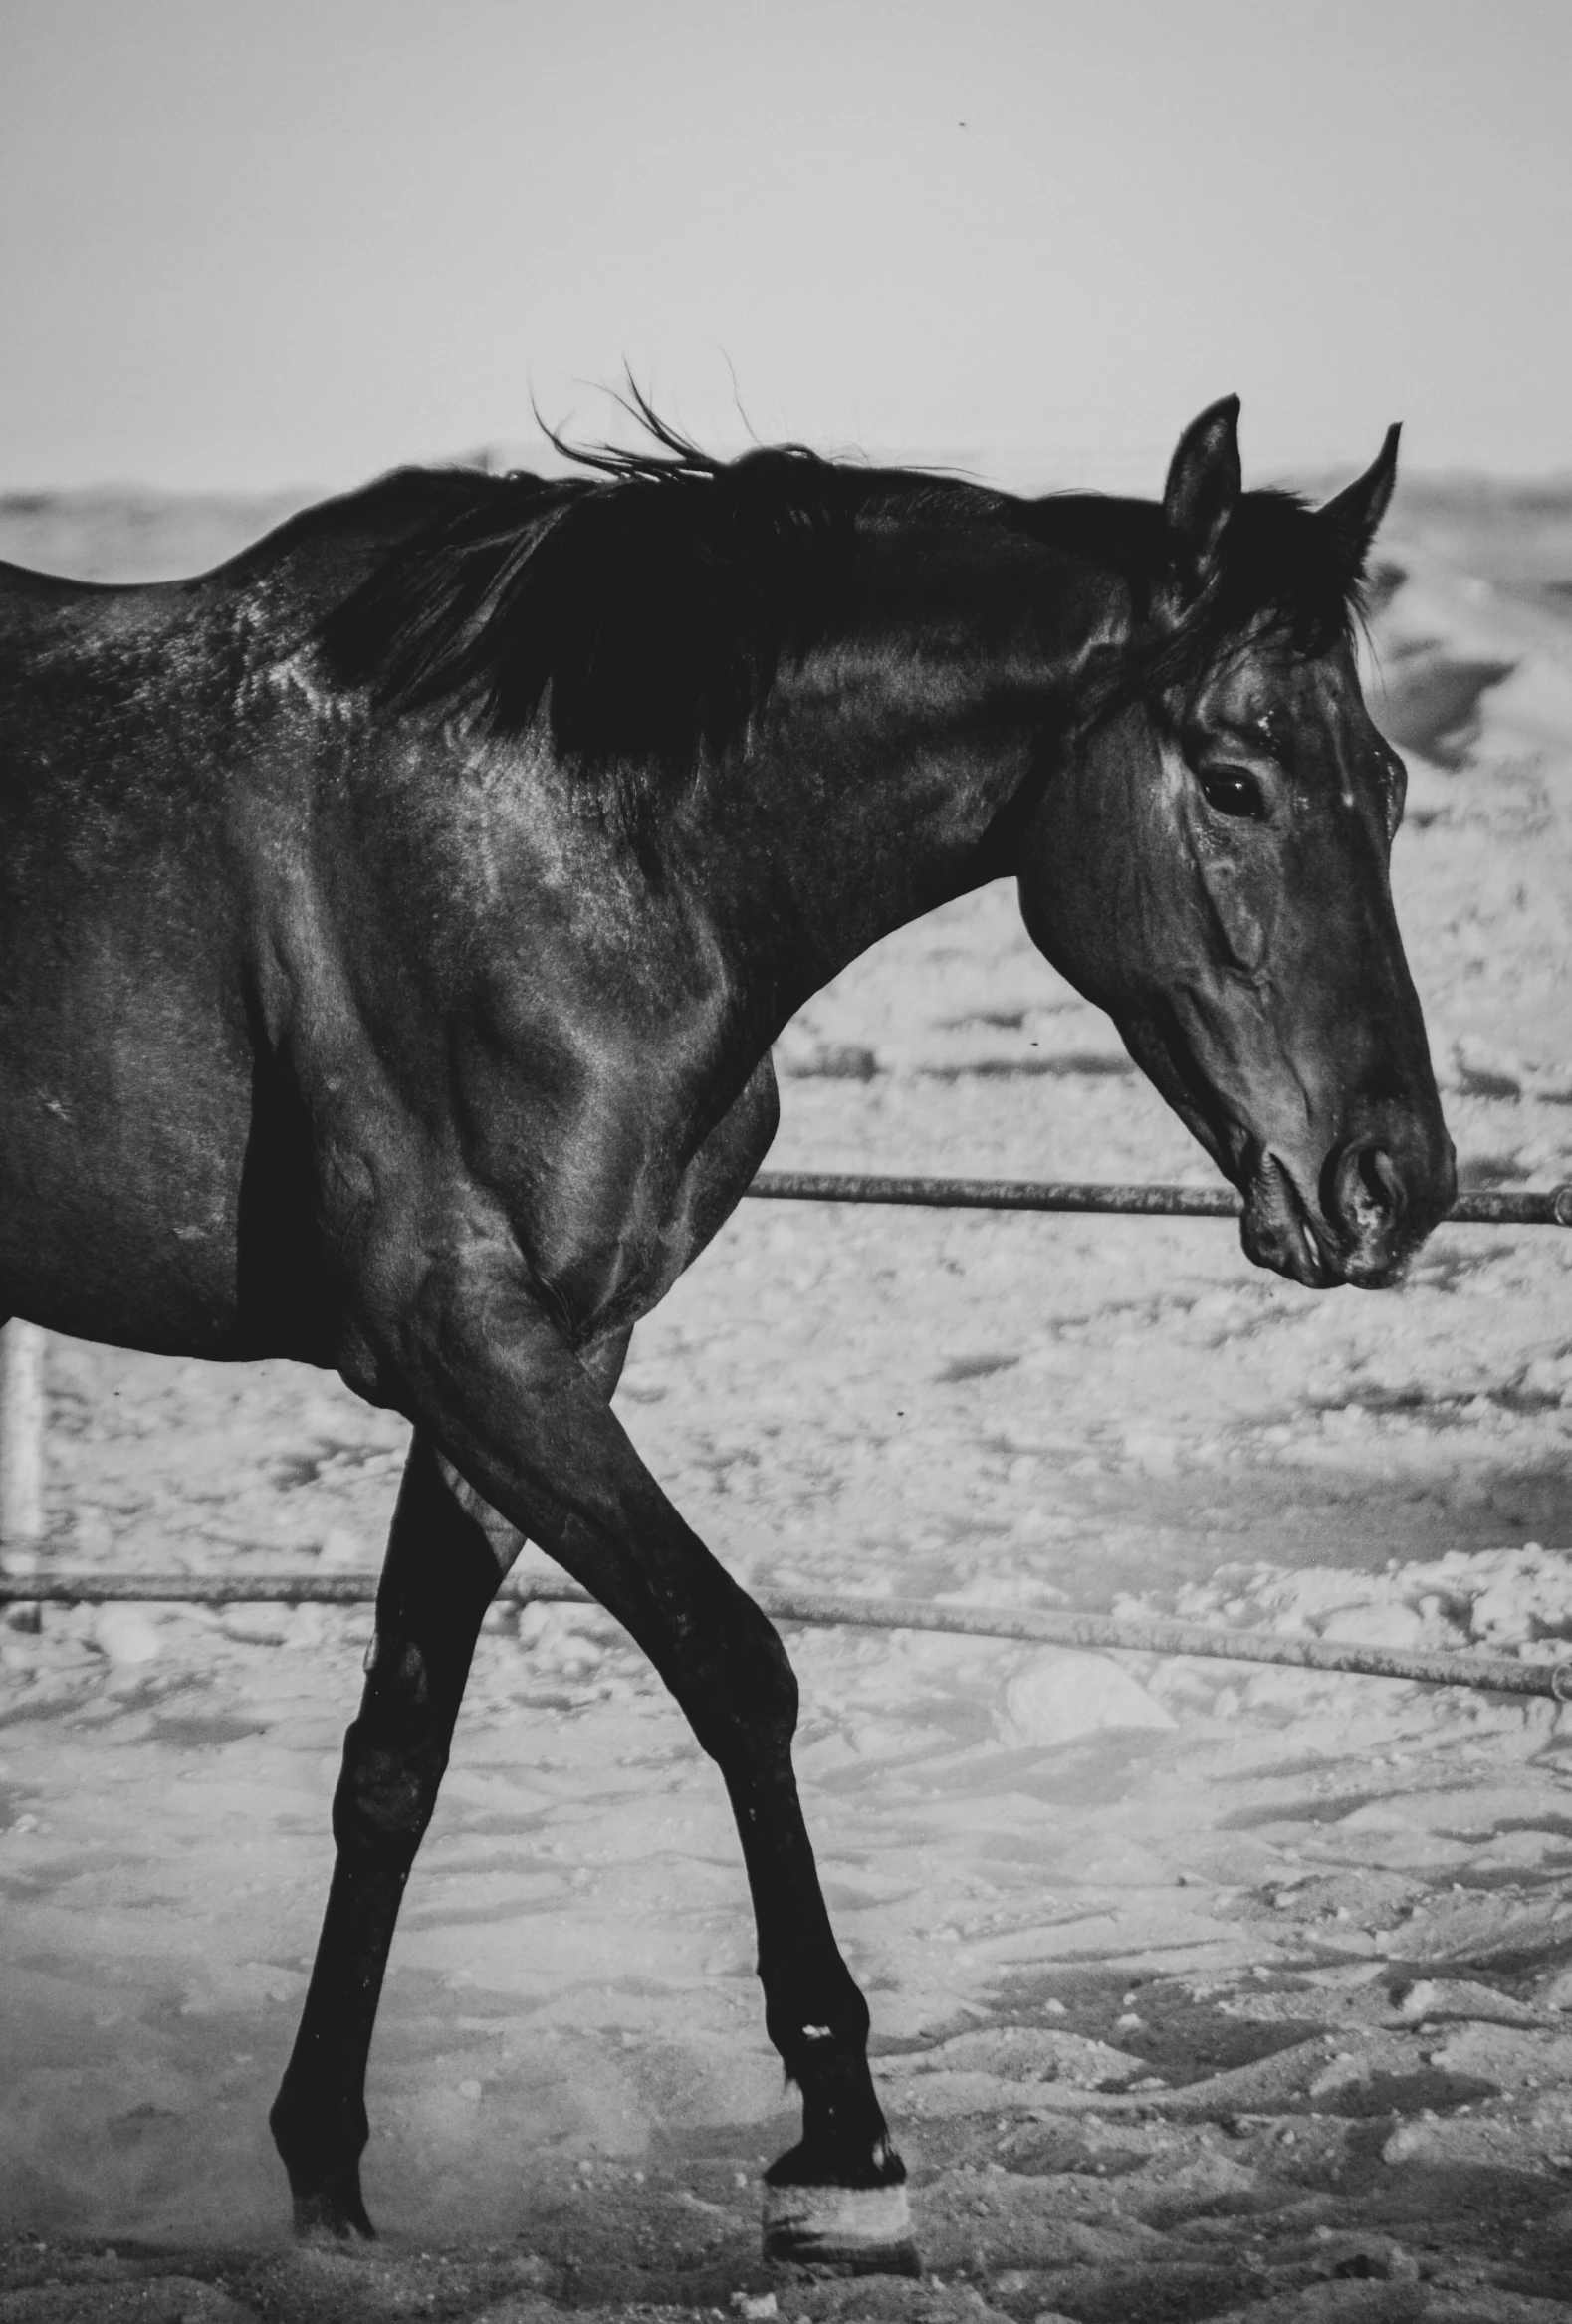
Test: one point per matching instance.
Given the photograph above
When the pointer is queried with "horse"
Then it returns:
(395, 924)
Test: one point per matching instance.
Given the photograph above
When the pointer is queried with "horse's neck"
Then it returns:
(856, 824)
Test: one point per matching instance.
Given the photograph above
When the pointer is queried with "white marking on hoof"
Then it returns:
(866, 2227)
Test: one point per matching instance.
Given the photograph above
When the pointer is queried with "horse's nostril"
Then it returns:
(1380, 1174)
(1371, 1197)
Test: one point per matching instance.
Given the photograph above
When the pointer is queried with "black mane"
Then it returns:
(649, 603)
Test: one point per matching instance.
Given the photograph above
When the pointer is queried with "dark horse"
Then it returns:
(393, 927)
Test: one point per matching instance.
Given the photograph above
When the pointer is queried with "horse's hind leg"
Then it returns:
(446, 1555)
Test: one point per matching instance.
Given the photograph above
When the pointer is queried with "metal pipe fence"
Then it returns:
(1096, 1633)
(22, 1462)
(1523, 1207)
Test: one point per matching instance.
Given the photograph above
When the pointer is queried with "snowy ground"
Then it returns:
(1199, 1992)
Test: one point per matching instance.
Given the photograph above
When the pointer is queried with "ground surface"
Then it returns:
(1199, 1992)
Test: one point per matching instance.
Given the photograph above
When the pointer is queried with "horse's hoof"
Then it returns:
(333, 2214)
(866, 2229)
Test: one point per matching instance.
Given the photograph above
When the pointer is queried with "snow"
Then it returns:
(1116, 1916)
(1060, 1696)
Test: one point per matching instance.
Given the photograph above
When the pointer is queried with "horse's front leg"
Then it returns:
(517, 1413)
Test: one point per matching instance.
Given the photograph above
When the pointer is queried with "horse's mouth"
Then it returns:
(1279, 1230)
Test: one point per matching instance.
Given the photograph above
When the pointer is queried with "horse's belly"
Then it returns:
(122, 1150)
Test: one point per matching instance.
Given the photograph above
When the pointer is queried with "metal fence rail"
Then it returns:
(1528, 1207)
(21, 1515)
(1099, 1633)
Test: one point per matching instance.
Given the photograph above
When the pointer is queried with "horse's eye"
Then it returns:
(1231, 792)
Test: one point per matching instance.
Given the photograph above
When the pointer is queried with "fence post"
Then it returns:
(21, 1434)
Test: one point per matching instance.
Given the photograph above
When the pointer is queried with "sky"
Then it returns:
(259, 243)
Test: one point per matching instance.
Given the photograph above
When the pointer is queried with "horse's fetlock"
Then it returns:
(317, 2135)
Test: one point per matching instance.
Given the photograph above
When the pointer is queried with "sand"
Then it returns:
(1197, 1990)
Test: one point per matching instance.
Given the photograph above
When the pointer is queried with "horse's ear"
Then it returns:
(1202, 488)
(1355, 515)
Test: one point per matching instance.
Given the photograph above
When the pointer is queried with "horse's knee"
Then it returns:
(386, 1795)
(772, 1682)
(746, 1692)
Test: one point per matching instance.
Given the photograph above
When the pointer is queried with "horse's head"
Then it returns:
(1210, 864)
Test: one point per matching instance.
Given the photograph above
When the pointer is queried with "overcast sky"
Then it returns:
(257, 244)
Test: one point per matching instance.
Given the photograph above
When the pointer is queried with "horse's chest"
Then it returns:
(631, 1250)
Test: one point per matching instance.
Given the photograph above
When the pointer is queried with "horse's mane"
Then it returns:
(648, 604)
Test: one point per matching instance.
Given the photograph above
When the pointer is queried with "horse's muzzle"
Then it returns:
(1374, 1211)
